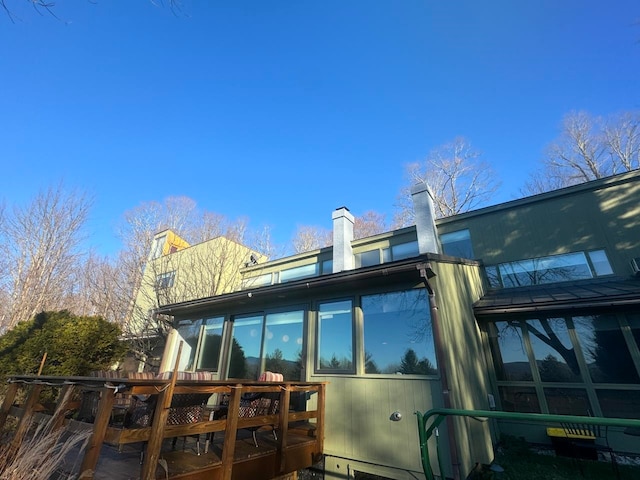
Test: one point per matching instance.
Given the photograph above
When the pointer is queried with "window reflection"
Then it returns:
(509, 356)
(211, 344)
(397, 333)
(283, 344)
(457, 244)
(605, 349)
(536, 271)
(245, 350)
(189, 331)
(555, 357)
(335, 336)
(619, 403)
(567, 401)
(519, 399)
(634, 324)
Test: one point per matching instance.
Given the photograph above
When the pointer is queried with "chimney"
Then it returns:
(425, 218)
(342, 238)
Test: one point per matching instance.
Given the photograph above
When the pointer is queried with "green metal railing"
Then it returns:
(437, 415)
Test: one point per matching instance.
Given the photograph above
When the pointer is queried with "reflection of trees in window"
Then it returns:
(335, 363)
(335, 335)
(608, 356)
(410, 364)
(509, 356)
(553, 350)
(238, 367)
(552, 269)
(553, 370)
(275, 362)
(393, 323)
(210, 355)
(291, 370)
(370, 364)
(547, 330)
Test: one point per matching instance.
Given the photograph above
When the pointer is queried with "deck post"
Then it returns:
(100, 425)
(230, 433)
(283, 426)
(322, 389)
(7, 403)
(25, 421)
(160, 416)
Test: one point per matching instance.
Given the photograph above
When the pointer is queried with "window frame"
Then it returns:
(317, 369)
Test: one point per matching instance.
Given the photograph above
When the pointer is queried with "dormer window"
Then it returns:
(158, 246)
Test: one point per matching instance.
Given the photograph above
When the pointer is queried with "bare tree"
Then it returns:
(458, 178)
(622, 140)
(41, 246)
(209, 266)
(588, 148)
(101, 290)
(309, 238)
(368, 224)
(47, 7)
(261, 241)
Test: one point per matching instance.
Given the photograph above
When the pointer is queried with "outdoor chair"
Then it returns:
(259, 404)
(584, 438)
(90, 398)
(185, 408)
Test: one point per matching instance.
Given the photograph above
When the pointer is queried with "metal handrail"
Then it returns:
(425, 432)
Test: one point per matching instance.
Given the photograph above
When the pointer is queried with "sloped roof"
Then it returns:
(586, 294)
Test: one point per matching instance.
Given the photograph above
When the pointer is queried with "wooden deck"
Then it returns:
(226, 446)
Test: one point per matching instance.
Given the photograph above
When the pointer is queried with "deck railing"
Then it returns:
(429, 421)
(163, 393)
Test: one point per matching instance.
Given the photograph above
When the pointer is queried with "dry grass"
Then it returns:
(40, 455)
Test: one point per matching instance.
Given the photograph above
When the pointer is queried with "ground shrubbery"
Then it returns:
(74, 345)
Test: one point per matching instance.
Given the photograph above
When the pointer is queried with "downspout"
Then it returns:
(426, 272)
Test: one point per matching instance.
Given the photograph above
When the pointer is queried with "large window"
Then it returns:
(397, 333)
(578, 365)
(261, 342)
(605, 349)
(550, 269)
(404, 250)
(189, 332)
(211, 344)
(295, 273)
(283, 343)
(367, 259)
(245, 349)
(457, 244)
(335, 336)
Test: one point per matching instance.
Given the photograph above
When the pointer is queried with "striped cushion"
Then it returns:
(106, 374)
(271, 377)
(203, 376)
(141, 375)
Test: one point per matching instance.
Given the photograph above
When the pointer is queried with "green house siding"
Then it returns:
(604, 214)
(359, 405)
(457, 286)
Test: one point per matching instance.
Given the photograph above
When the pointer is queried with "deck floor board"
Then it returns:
(183, 461)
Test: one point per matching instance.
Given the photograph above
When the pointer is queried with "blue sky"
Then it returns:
(282, 111)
